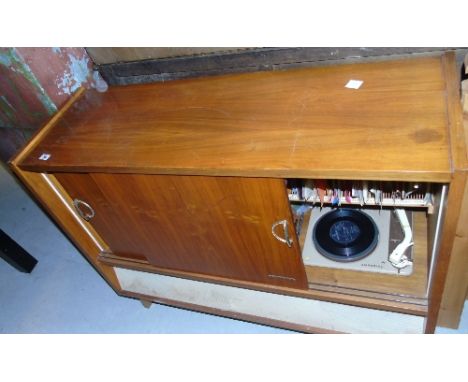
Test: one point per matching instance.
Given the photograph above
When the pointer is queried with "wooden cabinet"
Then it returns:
(176, 192)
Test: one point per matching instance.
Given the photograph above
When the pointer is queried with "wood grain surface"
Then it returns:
(219, 226)
(456, 286)
(106, 55)
(456, 283)
(291, 123)
(53, 198)
(457, 191)
(403, 123)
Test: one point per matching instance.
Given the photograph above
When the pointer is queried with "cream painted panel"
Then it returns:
(297, 310)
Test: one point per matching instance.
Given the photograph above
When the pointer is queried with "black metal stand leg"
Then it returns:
(15, 255)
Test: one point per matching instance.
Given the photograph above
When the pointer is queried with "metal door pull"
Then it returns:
(85, 215)
(286, 238)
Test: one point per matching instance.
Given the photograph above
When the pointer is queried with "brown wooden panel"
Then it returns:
(217, 226)
(448, 234)
(291, 123)
(453, 217)
(456, 286)
(57, 203)
(456, 283)
(457, 132)
(106, 55)
(254, 60)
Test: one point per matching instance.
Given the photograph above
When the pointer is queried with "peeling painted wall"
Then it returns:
(34, 84)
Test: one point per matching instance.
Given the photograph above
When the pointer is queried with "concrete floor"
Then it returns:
(64, 294)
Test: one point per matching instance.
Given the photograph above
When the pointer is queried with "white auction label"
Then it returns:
(354, 84)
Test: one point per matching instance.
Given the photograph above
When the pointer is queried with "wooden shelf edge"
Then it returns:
(43, 131)
(356, 292)
(397, 175)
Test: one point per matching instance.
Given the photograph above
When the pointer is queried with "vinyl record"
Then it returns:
(345, 235)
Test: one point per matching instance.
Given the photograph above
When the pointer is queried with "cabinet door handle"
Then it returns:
(286, 238)
(88, 215)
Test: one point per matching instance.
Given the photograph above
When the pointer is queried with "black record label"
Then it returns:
(345, 235)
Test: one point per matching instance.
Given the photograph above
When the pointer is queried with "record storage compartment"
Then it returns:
(424, 203)
(177, 192)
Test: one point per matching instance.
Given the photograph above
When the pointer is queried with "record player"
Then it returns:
(357, 239)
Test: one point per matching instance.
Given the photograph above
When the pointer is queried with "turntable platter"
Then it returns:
(345, 235)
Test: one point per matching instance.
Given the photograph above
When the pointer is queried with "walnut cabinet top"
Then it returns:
(287, 123)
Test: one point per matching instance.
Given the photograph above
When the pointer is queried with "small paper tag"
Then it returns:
(354, 84)
(44, 156)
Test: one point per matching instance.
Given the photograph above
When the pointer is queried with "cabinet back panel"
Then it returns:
(216, 226)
